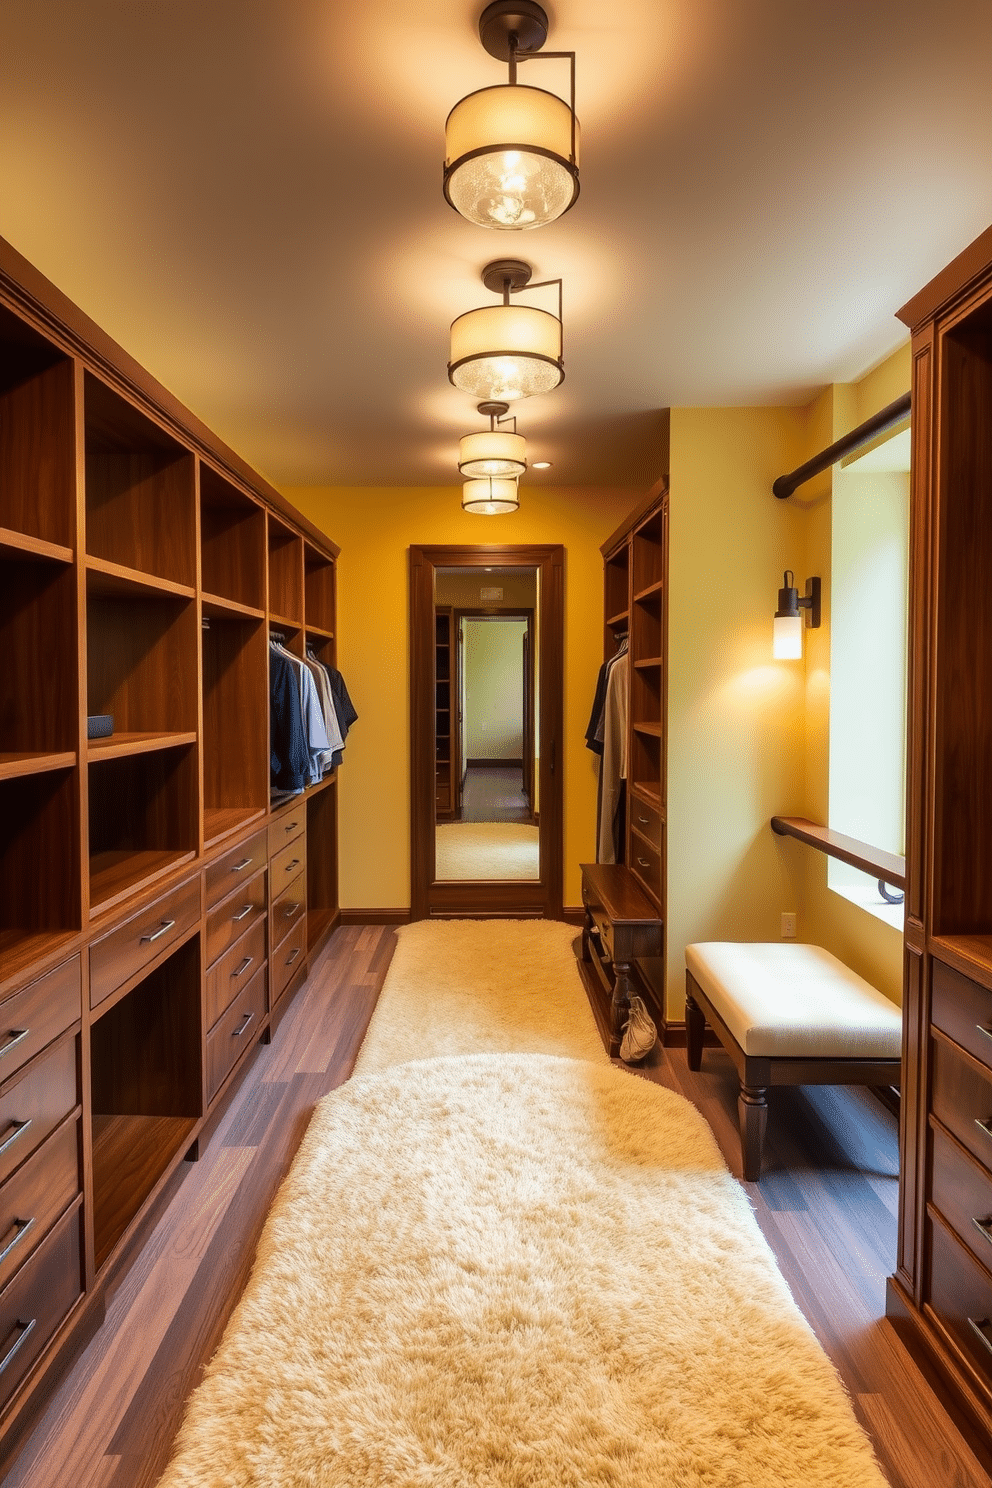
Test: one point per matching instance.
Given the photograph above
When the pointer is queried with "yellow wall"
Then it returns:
(374, 528)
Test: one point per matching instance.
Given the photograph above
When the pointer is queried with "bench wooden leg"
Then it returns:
(752, 1107)
(695, 1027)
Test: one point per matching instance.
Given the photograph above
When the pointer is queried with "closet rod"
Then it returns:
(784, 486)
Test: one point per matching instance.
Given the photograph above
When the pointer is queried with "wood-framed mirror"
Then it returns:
(487, 639)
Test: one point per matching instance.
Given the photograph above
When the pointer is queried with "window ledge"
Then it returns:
(867, 897)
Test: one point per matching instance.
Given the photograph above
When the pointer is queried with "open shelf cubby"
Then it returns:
(646, 694)
(140, 489)
(235, 724)
(232, 542)
(39, 704)
(648, 551)
(146, 1090)
(322, 864)
(37, 435)
(40, 895)
(141, 660)
(647, 620)
(285, 572)
(143, 820)
(319, 590)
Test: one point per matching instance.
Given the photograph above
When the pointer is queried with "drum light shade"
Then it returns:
(490, 497)
(506, 352)
(511, 157)
(492, 452)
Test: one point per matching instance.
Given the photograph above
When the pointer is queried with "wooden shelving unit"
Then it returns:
(445, 764)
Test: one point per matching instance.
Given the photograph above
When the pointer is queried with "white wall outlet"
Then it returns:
(789, 926)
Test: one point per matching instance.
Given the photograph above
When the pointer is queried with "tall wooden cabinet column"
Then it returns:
(157, 909)
(941, 1293)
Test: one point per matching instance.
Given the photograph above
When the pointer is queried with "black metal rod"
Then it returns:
(784, 486)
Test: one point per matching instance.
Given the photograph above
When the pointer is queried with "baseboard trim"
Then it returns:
(573, 914)
(495, 763)
(375, 917)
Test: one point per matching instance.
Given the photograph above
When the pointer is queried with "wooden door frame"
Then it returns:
(487, 899)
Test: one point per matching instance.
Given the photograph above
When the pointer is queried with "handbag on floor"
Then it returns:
(639, 1034)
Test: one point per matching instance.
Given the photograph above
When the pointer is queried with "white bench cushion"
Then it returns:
(795, 1001)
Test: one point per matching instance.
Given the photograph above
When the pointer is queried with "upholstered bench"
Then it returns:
(787, 1014)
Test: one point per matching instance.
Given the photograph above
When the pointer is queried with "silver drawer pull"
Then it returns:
(20, 1228)
(982, 1331)
(25, 1330)
(246, 911)
(982, 1029)
(985, 1126)
(292, 827)
(292, 909)
(14, 1037)
(289, 962)
(294, 864)
(165, 925)
(245, 863)
(247, 1019)
(644, 821)
(643, 863)
(19, 1128)
(240, 970)
(983, 1226)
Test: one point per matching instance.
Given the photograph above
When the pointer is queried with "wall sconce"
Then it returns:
(491, 496)
(493, 451)
(511, 152)
(787, 644)
(503, 352)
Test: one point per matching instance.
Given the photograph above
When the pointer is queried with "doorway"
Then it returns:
(487, 647)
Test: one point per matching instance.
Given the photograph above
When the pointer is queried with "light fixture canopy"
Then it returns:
(504, 352)
(491, 496)
(511, 152)
(493, 451)
(787, 643)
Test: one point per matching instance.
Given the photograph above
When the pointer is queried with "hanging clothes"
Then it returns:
(613, 766)
(289, 755)
(314, 728)
(344, 707)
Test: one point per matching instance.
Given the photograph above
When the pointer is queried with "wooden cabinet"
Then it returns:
(941, 1293)
(142, 567)
(446, 767)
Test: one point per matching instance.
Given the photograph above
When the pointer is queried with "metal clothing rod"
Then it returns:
(784, 486)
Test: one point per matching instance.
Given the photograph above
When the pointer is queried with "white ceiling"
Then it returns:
(247, 195)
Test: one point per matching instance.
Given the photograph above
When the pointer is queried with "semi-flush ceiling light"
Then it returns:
(787, 641)
(490, 497)
(494, 451)
(511, 152)
(504, 352)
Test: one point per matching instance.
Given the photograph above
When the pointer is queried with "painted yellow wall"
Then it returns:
(374, 528)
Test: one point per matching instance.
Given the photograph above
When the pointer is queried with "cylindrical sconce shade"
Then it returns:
(506, 352)
(492, 452)
(787, 644)
(489, 497)
(507, 161)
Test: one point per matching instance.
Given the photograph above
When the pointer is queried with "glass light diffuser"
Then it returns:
(505, 352)
(508, 158)
(787, 642)
(492, 452)
(490, 497)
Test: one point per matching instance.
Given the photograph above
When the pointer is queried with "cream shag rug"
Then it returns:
(481, 986)
(518, 1272)
(473, 850)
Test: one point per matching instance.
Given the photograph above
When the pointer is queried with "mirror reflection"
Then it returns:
(486, 741)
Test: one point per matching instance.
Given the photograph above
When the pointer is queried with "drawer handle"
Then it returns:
(20, 1228)
(165, 925)
(247, 1019)
(289, 962)
(19, 1128)
(981, 1330)
(292, 827)
(13, 1038)
(983, 1226)
(292, 909)
(26, 1330)
(240, 970)
(985, 1126)
(246, 911)
(982, 1029)
(643, 863)
(239, 867)
(294, 864)
(644, 821)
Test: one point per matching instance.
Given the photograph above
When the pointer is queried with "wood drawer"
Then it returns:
(962, 1101)
(234, 917)
(286, 865)
(286, 828)
(645, 820)
(32, 1106)
(141, 939)
(645, 864)
(287, 959)
(36, 1301)
(36, 1015)
(34, 1197)
(286, 910)
(234, 970)
(235, 867)
(960, 1293)
(235, 1032)
(963, 1010)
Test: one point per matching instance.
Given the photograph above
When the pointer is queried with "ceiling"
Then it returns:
(247, 195)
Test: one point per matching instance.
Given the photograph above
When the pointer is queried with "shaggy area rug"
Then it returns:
(474, 850)
(519, 1272)
(481, 986)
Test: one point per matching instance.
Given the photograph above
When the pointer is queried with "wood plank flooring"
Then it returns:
(826, 1204)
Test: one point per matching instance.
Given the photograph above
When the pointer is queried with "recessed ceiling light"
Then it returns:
(541, 465)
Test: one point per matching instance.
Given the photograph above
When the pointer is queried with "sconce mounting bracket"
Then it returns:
(523, 19)
(503, 271)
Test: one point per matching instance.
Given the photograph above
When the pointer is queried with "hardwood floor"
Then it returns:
(826, 1204)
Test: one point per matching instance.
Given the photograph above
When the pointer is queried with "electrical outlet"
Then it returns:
(789, 926)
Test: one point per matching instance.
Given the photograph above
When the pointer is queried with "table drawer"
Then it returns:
(287, 959)
(235, 1032)
(646, 820)
(33, 1106)
(960, 1293)
(36, 1301)
(286, 910)
(234, 970)
(645, 864)
(962, 1190)
(36, 1015)
(34, 1197)
(962, 1101)
(286, 828)
(286, 865)
(963, 1009)
(230, 920)
(235, 867)
(142, 938)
